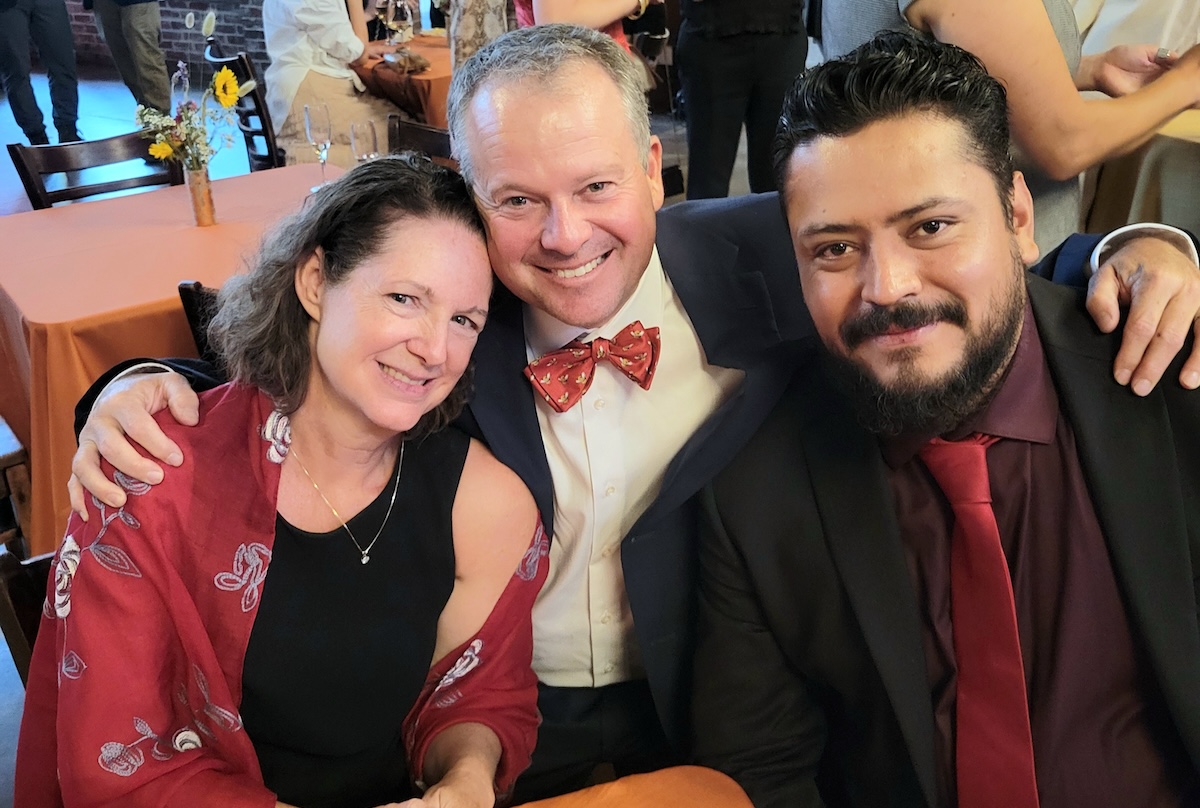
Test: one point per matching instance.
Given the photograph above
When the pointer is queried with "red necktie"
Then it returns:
(562, 377)
(994, 746)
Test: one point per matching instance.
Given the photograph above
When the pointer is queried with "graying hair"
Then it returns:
(540, 54)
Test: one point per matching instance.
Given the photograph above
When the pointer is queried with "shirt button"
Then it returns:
(598, 403)
(609, 668)
(606, 618)
(608, 492)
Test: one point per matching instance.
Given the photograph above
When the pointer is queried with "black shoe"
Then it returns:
(69, 136)
(39, 140)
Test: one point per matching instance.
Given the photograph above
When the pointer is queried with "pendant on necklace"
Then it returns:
(365, 558)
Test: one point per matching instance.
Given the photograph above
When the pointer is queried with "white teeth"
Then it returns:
(395, 374)
(579, 272)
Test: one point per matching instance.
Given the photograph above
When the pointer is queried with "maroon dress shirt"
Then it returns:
(1102, 736)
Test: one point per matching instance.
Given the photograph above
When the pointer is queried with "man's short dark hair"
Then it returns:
(898, 73)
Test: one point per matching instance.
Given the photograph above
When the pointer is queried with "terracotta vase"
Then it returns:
(202, 201)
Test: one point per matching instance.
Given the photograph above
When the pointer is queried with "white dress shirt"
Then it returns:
(607, 456)
(304, 35)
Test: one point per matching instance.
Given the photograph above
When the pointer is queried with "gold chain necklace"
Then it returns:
(366, 554)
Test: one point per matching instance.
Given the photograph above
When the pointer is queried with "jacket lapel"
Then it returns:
(503, 404)
(1139, 503)
(864, 541)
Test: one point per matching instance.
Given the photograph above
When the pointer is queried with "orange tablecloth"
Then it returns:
(433, 85)
(690, 786)
(87, 285)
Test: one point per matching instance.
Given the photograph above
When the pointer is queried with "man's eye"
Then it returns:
(933, 227)
(516, 201)
(597, 187)
(402, 299)
(836, 250)
(467, 322)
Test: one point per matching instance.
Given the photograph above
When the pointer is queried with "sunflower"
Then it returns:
(161, 150)
(225, 87)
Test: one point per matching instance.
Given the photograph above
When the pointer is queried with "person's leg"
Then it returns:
(583, 728)
(109, 23)
(15, 66)
(779, 58)
(715, 96)
(50, 28)
(141, 25)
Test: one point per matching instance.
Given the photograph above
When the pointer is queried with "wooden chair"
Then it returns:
(14, 492)
(22, 594)
(412, 136)
(34, 163)
(199, 306)
(254, 119)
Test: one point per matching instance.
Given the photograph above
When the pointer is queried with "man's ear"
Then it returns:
(654, 171)
(310, 283)
(1022, 206)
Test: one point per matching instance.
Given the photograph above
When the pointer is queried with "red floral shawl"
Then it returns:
(135, 682)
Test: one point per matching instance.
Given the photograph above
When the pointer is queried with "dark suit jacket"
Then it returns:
(731, 263)
(810, 683)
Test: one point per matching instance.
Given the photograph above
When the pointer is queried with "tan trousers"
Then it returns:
(346, 106)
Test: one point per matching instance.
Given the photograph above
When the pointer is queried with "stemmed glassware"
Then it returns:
(401, 32)
(364, 141)
(319, 131)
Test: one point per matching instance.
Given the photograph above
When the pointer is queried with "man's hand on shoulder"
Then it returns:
(1161, 284)
(124, 412)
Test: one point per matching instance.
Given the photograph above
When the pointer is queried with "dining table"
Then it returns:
(433, 83)
(693, 786)
(86, 285)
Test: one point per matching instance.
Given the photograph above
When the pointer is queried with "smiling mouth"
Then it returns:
(392, 373)
(580, 271)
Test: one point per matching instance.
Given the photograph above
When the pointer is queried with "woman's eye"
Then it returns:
(516, 201)
(402, 299)
(467, 322)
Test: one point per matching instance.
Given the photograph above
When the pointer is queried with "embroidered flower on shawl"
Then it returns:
(466, 663)
(185, 740)
(64, 573)
(120, 759)
(278, 432)
(249, 571)
(539, 549)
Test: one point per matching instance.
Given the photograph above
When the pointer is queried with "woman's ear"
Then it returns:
(310, 283)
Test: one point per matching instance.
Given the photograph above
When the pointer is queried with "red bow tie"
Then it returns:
(562, 377)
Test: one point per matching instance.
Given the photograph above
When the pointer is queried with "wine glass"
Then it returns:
(364, 141)
(398, 32)
(319, 131)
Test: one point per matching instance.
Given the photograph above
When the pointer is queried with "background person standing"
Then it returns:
(131, 29)
(43, 23)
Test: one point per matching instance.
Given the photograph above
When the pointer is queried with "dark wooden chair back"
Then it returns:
(411, 136)
(254, 119)
(199, 306)
(15, 511)
(34, 163)
(22, 594)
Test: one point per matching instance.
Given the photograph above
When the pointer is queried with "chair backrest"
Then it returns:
(412, 136)
(22, 594)
(199, 306)
(254, 119)
(34, 163)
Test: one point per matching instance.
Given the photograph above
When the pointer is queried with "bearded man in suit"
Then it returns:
(870, 634)
(550, 127)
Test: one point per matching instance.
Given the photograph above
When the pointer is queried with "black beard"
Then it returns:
(936, 407)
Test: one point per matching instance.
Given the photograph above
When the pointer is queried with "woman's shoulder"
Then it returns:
(494, 513)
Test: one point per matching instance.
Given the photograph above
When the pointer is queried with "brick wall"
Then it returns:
(239, 27)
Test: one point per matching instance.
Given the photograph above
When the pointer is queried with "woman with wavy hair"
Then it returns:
(328, 603)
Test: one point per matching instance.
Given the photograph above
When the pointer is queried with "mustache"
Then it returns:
(878, 320)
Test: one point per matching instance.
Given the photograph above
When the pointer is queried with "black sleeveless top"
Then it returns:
(340, 649)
